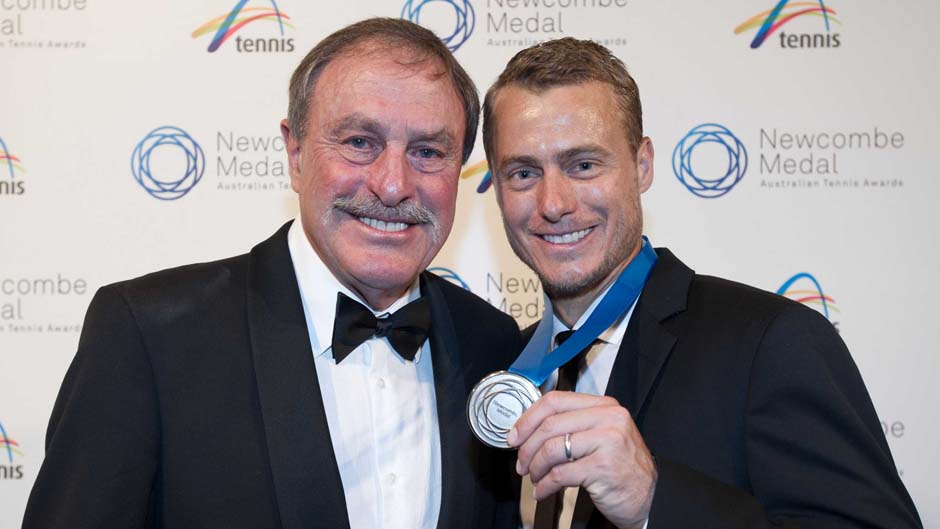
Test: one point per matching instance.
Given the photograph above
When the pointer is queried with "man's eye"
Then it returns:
(358, 142)
(585, 166)
(428, 153)
(522, 174)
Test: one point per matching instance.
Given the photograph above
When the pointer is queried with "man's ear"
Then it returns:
(292, 145)
(644, 164)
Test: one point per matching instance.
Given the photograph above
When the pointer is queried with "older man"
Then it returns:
(320, 380)
(751, 404)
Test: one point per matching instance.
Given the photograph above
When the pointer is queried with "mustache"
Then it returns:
(373, 208)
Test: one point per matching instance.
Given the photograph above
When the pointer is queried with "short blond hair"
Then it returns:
(564, 62)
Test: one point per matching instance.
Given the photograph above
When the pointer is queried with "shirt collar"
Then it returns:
(319, 287)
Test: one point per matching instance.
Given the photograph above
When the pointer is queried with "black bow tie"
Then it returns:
(406, 329)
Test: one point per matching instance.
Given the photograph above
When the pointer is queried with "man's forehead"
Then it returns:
(519, 112)
(593, 93)
(517, 109)
(382, 76)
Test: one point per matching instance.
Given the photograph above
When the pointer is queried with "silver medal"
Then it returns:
(496, 403)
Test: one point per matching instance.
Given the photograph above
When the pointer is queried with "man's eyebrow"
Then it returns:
(591, 149)
(356, 122)
(440, 137)
(518, 160)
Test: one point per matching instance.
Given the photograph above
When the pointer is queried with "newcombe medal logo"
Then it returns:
(449, 275)
(452, 20)
(168, 163)
(709, 182)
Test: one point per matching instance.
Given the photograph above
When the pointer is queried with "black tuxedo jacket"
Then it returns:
(193, 402)
(754, 410)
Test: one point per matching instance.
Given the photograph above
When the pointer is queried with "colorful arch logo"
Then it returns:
(480, 167)
(8, 445)
(173, 186)
(10, 161)
(804, 288)
(773, 19)
(464, 19)
(450, 275)
(711, 186)
(227, 25)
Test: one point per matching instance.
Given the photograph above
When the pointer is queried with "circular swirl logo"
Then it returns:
(450, 275)
(715, 186)
(465, 19)
(168, 186)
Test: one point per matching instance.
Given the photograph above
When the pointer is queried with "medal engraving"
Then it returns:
(496, 403)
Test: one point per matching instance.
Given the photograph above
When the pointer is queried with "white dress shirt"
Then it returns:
(592, 379)
(381, 409)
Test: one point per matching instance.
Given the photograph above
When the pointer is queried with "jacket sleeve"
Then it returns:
(102, 445)
(814, 448)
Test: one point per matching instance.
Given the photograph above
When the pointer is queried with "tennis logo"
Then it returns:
(223, 27)
(168, 163)
(478, 168)
(8, 449)
(452, 20)
(718, 178)
(773, 20)
(805, 289)
(10, 168)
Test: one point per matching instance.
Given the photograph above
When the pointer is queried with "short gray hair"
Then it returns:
(389, 31)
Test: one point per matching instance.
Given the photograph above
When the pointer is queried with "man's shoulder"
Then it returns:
(473, 316)
(205, 281)
(731, 293)
(717, 303)
(717, 293)
(723, 303)
(180, 280)
(185, 284)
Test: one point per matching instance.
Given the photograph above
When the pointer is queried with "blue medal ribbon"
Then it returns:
(536, 362)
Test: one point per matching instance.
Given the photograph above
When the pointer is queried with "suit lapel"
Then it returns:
(663, 297)
(307, 485)
(654, 345)
(459, 452)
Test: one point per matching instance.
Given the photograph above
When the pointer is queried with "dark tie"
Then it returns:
(548, 510)
(406, 329)
(568, 372)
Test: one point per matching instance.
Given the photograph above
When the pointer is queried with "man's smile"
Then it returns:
(389, 226)
(567, 238)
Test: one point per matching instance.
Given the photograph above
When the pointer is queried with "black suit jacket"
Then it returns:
(193, 402)
(754, 410)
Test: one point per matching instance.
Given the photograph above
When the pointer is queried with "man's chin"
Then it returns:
(390, 276)
(565, 286)
(561, 286)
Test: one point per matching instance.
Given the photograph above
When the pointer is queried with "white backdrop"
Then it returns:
(846, 100)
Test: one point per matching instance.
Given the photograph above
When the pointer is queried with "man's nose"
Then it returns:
(392, 179)
(556, 195)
